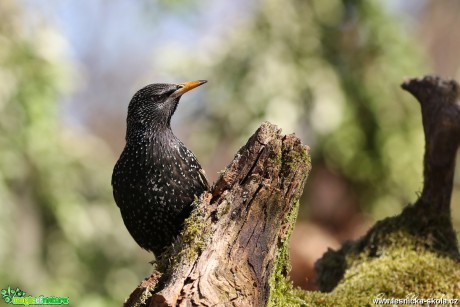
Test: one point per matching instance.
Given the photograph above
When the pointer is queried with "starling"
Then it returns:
(156, 178)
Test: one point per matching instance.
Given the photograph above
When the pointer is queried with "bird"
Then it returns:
(156, 178)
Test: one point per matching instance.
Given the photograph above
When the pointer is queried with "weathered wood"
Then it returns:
(231, 243)
(440, 103)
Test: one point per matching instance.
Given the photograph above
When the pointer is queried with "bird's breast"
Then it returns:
(146, 176)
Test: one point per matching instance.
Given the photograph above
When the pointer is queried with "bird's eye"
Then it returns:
(167, 93)
(158, 98)
(161, 97)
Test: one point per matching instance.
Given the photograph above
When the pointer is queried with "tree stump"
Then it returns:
(235, 241)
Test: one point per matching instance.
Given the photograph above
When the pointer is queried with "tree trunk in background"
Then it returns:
(426, 225)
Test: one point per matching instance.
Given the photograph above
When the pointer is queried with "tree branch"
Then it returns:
(440, 105)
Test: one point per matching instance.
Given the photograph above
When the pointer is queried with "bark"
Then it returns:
(231, 242)
(440, 104)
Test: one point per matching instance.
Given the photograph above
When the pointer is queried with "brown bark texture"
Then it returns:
(440, 103)
(231, 242)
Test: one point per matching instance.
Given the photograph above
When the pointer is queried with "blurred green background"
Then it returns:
(327, 70)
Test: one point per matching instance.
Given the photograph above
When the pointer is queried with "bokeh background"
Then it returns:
(327, 70)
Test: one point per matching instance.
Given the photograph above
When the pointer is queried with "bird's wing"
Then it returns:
(187, 155)
(203, 180)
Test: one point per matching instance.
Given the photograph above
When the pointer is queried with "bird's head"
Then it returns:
(153, 105)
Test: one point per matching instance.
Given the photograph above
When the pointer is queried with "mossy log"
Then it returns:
(235, 241)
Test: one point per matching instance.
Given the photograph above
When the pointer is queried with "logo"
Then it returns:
(18, 297)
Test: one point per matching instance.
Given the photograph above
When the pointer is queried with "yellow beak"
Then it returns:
(187, 86)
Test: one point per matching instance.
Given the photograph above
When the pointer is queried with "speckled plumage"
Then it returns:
(156, 177)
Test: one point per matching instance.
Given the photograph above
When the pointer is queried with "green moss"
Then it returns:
(405, 270)
(194, 235)
(420, 225)
(276, 159)
(410, 255)
(190, 243)
(282, 292)
(144, 297)
(223, 209)
(402, 270)
(292, 158)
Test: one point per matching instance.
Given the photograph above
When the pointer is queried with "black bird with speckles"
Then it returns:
(156, 178)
